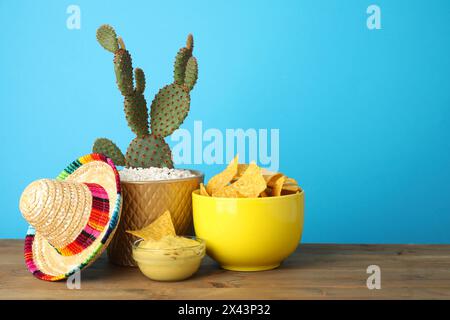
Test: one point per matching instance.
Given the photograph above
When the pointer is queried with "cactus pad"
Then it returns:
(139, 78)
(190, 42)
(136, 113)
(124, 72)
(169, 109)
(109, 149)
(179, 67)
(191, 75)
(149, 151)
(107, 37)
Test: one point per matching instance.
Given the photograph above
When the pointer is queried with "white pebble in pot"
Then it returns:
(153, 174)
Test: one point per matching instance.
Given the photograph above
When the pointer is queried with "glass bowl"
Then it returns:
(173, 264)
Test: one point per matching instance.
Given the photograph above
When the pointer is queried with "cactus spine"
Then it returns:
(168, 110)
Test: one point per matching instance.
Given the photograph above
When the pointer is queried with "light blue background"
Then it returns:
(364, 116)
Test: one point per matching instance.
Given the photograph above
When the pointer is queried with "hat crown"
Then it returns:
(58, 210)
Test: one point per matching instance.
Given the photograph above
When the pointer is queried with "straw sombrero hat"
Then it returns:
(72, 219)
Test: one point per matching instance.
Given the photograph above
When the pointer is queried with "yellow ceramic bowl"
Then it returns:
(249, 234)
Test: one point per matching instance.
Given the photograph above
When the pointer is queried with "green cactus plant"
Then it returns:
(168, 110)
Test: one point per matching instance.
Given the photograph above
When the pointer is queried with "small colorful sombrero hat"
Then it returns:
(72, 219)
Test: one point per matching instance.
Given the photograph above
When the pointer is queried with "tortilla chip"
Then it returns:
(252, 183)
(203, 191)
(159, 228)
(291, 185)
(228, 192)
(270, 180)
(291, 181)
(287, 192)
(292, 188)
(278, 185)
(240, 170)
(219, 181)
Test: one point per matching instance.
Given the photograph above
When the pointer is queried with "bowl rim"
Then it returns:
(196, 193)
(201, 242)
(197, 174)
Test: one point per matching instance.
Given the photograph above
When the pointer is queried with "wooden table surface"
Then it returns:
(314, 271)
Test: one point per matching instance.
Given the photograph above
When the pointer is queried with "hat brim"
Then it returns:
(41, 258)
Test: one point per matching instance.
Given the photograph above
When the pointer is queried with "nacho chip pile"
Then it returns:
(248, 181)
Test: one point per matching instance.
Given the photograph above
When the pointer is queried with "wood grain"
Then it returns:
(315, 271)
